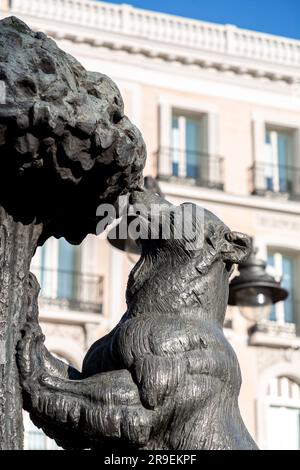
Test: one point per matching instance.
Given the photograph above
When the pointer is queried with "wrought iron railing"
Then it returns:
(274, 328)
(191, 167)
(70, 290)
(284, 322)
(268, 178)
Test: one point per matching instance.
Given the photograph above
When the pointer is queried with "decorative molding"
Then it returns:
(271, 363)
(170, 38)
(71, 318)
(185, 104)
(142, 70)
(277, 224)
(250, 201)
(266, 338)
(267, 117)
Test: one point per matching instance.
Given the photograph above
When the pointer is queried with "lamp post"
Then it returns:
(254, 291)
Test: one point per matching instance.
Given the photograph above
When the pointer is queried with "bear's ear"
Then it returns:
(236, 247)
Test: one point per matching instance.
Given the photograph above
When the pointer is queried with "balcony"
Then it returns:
(191, 167)
(69, 290)
(275, 180)
(274, 335)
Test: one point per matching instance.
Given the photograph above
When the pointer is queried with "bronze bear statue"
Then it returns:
(165, 377)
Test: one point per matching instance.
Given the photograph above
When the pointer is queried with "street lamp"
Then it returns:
(254, 290)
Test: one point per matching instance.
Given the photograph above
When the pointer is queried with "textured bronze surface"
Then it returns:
(165, 377)
(65, 147)
(65, 143)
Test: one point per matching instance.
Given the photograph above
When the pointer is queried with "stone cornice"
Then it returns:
(170, 38)
(220, 197)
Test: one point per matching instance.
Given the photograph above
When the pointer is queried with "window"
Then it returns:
(58, 267)
(67, 267)
(276, 146)
(55, 265)
(189, 143)
(284, 267)
(283, 414)
(187, 146)
(187, 156)
(278, 160)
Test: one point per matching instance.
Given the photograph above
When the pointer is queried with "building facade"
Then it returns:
(219, 109)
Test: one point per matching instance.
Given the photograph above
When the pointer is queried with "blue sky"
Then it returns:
(280, 17)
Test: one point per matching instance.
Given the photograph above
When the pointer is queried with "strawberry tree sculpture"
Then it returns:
(65, 147)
